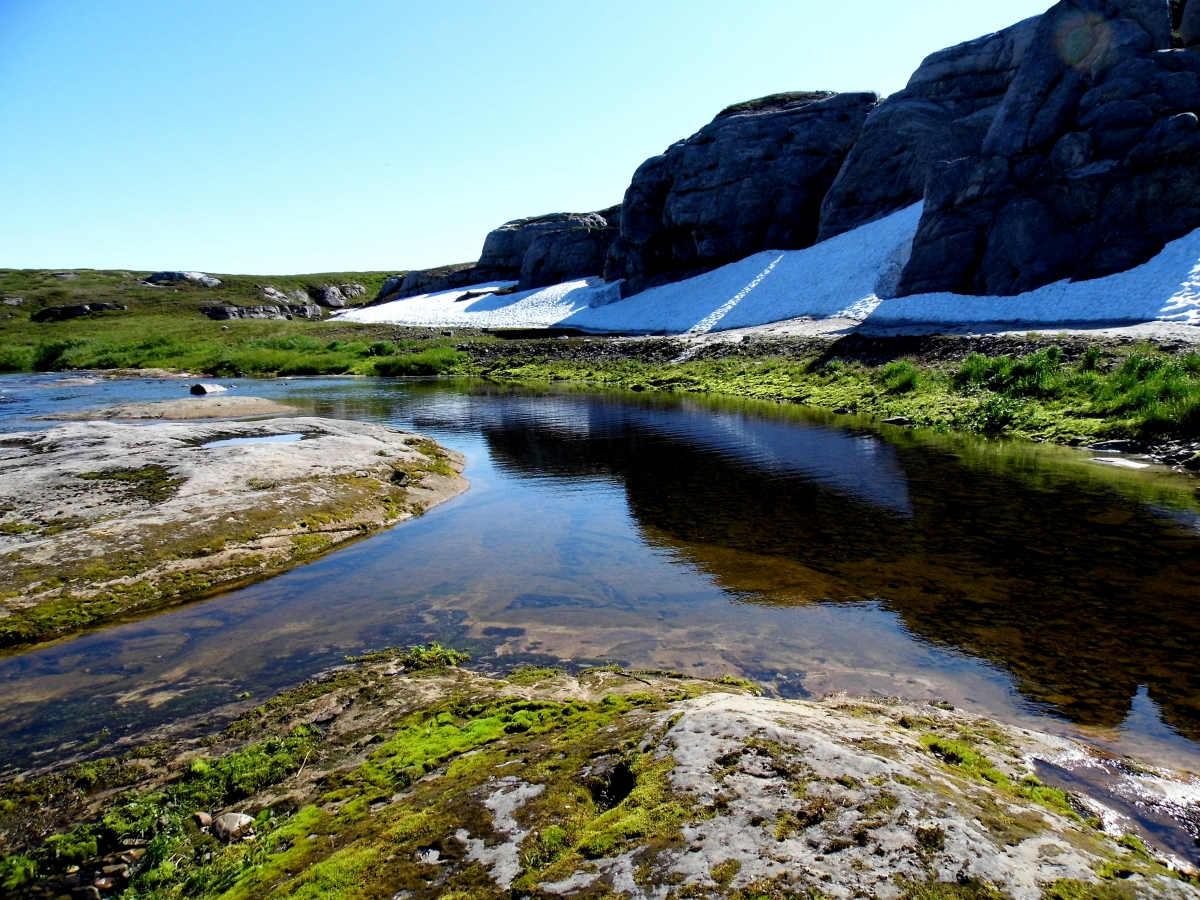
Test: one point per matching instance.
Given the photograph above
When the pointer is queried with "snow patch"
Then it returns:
(852, 276)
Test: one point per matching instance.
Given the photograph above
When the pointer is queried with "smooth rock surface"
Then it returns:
(753, 179)
(207, 388)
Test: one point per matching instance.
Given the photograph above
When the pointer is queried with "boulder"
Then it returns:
(225, 312)
(305, 311)
(231, 826)
(196, 277)
(72, 311)
(569, 253)
(300, 295)
(1091, 163)
(942, 114)
(12, 301)
(1189, 24)
(428, 281)
(352, 291)
(505, 248)
(753, 179)
(203, 388)
(330, 295)
(274, 294)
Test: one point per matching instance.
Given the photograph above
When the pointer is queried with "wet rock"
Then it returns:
(898, 420)
(752, 179)
(174, 277)
(72, 311)
(90, 892)
(943, 113)
(231, 826)
(207, 388)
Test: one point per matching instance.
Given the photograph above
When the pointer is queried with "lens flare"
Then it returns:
(1078, 36)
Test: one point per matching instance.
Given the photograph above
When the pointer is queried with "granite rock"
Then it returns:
(943, 113)
(752, 179)
(1090, 165)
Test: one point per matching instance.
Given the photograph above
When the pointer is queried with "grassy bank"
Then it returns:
(165, 328)
(1044, 387)
(1036, 388)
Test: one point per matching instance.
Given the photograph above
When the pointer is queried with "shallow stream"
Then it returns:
(810, 552)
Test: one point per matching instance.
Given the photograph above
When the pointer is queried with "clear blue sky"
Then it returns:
(289, 136)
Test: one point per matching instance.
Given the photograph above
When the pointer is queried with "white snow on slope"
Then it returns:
(843, 277)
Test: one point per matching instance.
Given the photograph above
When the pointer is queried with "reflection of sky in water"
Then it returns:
(540, 561)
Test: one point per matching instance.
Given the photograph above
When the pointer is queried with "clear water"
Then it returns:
(813, 553)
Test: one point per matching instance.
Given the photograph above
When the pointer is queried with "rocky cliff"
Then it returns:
(534, 252)
(752, 179)
(1064, 147)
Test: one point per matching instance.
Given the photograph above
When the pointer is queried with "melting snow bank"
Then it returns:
(846, 277)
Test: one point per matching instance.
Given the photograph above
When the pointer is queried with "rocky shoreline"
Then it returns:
(401, 775)
(101, 520)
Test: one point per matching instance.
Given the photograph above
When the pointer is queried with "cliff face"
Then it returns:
(944, 113)
(1090, 166)
(1065, 146)
(752, 179)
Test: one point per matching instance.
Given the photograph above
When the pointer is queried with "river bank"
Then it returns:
(402, 775)
(102, 521)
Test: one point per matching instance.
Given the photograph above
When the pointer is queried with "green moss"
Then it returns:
(970, 889)
(743, 683)
(435, 656)
(154, 484)
(531, 675)
(724, 873)
(964, 757)
(1073, 889)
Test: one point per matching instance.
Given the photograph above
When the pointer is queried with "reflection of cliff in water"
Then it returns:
(1084, 594)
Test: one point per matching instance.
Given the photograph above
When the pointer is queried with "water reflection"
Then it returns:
(707, 536)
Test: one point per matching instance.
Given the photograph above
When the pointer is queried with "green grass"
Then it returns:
(1139, 392)
(164, 328)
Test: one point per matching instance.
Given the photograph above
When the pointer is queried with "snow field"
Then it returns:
(847, 277)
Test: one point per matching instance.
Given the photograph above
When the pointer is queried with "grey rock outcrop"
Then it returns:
(196, 277)
(72, 311)
(1090, 166)
(535, 252)
(226, 312)
(753, 179)
(943, 113)
(330, 295)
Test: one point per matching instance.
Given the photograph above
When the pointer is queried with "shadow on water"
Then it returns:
(1082, 586)
(810, 552)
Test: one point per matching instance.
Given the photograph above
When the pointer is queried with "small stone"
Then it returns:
(106, 883)
(203, 819)
(231, 826)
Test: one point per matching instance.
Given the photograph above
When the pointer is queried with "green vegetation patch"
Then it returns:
(154, 484)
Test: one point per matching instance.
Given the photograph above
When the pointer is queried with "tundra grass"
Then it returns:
(1137, 392)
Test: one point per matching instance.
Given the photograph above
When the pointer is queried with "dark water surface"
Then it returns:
(813, 553)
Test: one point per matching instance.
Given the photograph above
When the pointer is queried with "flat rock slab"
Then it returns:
(101, 519)
(183, 410)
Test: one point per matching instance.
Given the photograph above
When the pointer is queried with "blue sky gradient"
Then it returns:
(289, 136)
